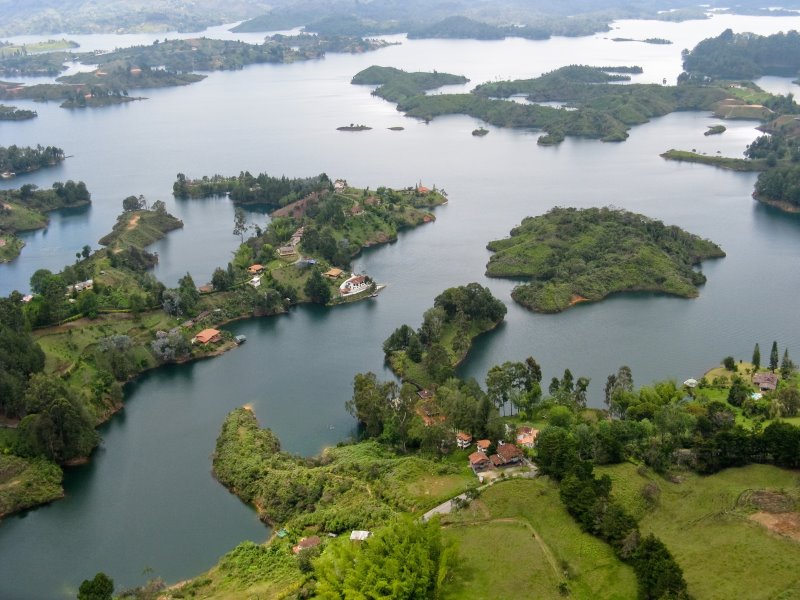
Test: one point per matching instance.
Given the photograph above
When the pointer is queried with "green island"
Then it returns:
(26, 209)
(602, 109)
(429, 355)
(105, 319)
(161, 64)
(657, 41)
(12, 113)
(16, 160)
(578, 255)
(353, 127)
(715, 130)
(480, 132)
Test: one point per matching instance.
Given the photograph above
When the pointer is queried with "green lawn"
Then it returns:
(706, 524)
(522, 508)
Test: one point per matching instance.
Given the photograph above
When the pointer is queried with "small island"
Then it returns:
(12, 113)
(16, 160)
(396, 128)
(577, 255)
(353, 127)
(715, 130)
(140, 225)
(480, 132)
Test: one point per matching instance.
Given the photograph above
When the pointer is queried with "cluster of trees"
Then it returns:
(249, 189)
(745, 55)
(780, 184)
(588, 499)
(20, 355)
(775, 147)
(589, 253)
(468, 310)
(22, 159)
(12, 113)
(405, 560)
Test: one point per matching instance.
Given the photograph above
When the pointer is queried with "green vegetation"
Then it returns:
(780, 187)
(724, 162)
(263, 189)
(405, 561)
(12, 113)
(574, 255)
(527, 520)
(348, 487)
(47, 64)
(140, 227)
(736, 521)
(10, 247)
(459, 315)
(17, 159)
(397, 85)
(27, 482)
(715, 130)
(744, 56)
(602, 110)
(161, 64)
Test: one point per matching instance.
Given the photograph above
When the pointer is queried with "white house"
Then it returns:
(354, 285)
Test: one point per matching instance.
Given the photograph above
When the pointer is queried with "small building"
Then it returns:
(27, 298)
(463, 440)
(255, 269)
(425, 394)
(421, 189)
(306, 543)
(208, 336)
(333, 273)
(255, 281)
(359, 535)
(690, 383)
(483, 445)
(478, 461)
(286, 251)
(509, 454)
(526, 436)
(766, 382)
(356, 210)
(339, 185)
(430, 413)
(206, 289)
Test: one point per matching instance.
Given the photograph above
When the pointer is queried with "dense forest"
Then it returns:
(574, 255)
(245, 188)
(744, 56)
(781, 184)
(12, 113)
(23, 159)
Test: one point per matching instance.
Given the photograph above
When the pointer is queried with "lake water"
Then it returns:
(148, 498)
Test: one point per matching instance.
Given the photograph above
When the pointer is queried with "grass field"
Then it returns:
(26, 482)
(706, 523)
(518, 541)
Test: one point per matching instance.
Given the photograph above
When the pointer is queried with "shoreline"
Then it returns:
(781, 205)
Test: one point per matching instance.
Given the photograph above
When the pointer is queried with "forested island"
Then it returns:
(12, 113)
(161, 64)
(576, 255)
(16, 160)
(603, 110)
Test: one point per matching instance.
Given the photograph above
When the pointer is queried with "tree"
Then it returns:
(188, 292)
(739, 391)
(86, 251)
(132, 203)
(221, 279)
(756, 358)
(437, 363)
(729, 363)
(787, 366)
(773, 357)
(101, 587)
(240, 225)
(317, 289)
(371, 402)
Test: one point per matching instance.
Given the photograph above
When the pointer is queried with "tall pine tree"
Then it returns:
(773, 357)
(756, 358)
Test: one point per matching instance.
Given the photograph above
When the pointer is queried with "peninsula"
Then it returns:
(576, 255)
(429, 355)
(16, 160)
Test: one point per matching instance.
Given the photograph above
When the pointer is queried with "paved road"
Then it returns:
(443, 509)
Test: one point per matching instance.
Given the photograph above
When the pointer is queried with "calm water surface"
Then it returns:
(148, 499)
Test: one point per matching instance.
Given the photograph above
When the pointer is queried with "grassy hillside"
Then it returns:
(709, 524)
(518, 541)
(574, 255)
